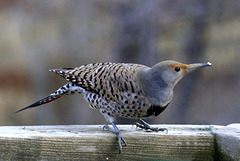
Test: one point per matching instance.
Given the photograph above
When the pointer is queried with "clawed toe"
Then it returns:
(120, 140)
(158, 129)
(147, 127)
(142, 125)
(138, 125)
(124, 141)
(116, 131)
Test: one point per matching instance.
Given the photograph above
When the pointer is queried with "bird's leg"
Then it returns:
(147, 127)
(116, 131)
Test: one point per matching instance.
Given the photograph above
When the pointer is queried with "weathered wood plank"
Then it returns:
(183, 142)
(227, 141)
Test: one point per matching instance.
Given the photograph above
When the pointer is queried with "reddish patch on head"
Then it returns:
(181, 66)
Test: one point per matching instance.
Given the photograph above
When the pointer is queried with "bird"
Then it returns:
(124, 90)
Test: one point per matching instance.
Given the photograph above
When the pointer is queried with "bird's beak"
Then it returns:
(192, 67)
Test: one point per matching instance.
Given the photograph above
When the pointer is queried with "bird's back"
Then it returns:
(110, 87)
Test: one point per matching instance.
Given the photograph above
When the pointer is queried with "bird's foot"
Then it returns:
(147, 127)
(116, 131)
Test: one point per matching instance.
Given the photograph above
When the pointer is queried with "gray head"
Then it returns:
(170, 72)
(158, 81)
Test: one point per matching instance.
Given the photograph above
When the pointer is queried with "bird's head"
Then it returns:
(170, 72)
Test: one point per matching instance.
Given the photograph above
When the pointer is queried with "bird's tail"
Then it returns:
(47, 99)
(68, 88)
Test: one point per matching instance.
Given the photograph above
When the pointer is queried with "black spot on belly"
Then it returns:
(155, 110)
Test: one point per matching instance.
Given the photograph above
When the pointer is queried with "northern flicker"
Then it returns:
(123, 90)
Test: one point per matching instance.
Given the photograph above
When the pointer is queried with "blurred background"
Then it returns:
(36, 36)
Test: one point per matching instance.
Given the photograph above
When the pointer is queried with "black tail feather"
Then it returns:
(41, 102)
(66, 89)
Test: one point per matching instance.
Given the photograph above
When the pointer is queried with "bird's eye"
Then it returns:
(177, 69)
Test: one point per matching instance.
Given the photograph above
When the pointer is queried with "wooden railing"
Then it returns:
(91, 142)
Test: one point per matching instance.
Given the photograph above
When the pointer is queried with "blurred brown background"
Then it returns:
(39, 35)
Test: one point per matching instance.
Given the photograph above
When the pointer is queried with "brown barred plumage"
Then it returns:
(114, 84)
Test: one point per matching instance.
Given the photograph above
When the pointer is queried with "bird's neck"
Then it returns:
(158, 92)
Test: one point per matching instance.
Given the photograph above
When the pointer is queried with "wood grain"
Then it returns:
(81, 142)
